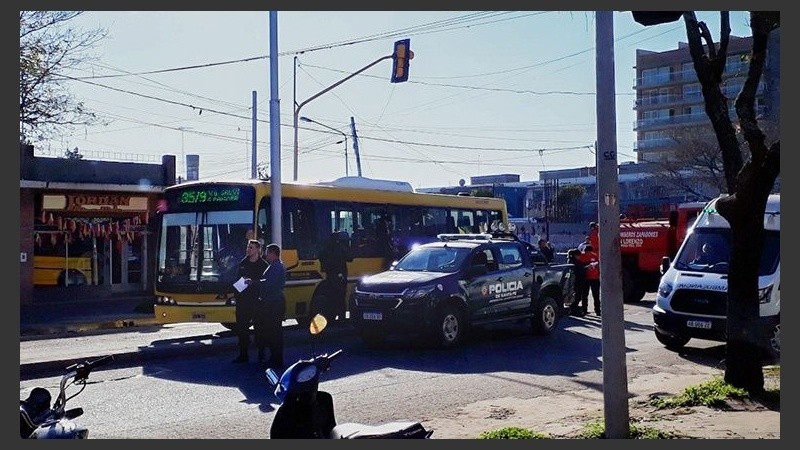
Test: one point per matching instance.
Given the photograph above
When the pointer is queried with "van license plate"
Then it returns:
(702, 324)
(373, 316)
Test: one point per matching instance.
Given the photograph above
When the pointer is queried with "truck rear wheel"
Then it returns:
(672, 342)
(545, 316)
(632, 292)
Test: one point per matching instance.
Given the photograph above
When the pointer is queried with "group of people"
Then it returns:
(261, 303)
(586, 258)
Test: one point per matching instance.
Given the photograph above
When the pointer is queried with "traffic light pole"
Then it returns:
(297, 106)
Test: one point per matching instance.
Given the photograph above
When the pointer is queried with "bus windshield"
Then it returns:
(202, 246)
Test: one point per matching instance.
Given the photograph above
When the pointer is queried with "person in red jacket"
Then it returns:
(594, 236)
(589, 259)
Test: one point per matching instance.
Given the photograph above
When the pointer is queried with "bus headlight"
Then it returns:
(164, 300)
(765, 294)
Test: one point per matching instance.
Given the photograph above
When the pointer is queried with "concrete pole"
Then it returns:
(275, 133)
(615, 374)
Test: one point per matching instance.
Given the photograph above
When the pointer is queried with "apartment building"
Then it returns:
(669, 99)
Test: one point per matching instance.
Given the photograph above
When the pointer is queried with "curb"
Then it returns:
(56, 330)
(213, 345)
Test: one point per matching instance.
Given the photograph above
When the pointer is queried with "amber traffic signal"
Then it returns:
(400, 59)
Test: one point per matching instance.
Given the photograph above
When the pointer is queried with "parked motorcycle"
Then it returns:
(305, 412)
(38, 420)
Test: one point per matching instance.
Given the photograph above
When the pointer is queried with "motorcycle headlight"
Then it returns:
(765, 294)
(418, 292)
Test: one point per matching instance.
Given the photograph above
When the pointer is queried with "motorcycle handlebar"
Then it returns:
(83, 369)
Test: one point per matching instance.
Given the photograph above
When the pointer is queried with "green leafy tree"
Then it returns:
(49, 47)
(568, 201)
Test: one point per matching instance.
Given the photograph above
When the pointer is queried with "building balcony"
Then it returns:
(653, 143)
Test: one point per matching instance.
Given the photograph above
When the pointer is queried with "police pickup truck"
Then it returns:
(440, 289)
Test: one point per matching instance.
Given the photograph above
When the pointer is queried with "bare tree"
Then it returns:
(694, 167)
(48, 47)
(749, 180)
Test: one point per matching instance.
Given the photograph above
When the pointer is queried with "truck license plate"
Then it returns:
(702, 324)
(373, 316)
(198, 316)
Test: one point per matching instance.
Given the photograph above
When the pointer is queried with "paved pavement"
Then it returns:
(81, 329)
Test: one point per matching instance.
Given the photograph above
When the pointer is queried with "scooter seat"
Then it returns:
(391, 430)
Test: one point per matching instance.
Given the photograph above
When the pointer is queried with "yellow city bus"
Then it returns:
(204, 227)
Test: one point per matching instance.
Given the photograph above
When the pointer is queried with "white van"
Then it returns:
(692, 296)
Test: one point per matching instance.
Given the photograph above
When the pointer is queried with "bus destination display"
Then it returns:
(209, 195)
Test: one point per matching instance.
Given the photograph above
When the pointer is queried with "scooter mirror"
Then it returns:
(317, 324)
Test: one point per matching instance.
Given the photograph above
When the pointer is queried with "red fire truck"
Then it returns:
(644, 242)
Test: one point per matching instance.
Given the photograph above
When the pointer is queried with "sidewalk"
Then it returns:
(52, 316)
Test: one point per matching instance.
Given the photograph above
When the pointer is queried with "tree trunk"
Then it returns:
(744, 352)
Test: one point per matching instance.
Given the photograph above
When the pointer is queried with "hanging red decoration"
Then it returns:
(72, 225)
(59, 223)
(53, 239)
(38, 238)
(50, 219)
(44, 216)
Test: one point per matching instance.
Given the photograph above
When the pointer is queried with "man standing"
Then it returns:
(546, 250)
(250, 269)
(333, 259)
(589, 259)
(272, 309)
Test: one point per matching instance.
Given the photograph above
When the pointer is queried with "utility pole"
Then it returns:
(276, 194)
(355, 144)
(615, 373)
(254, 156)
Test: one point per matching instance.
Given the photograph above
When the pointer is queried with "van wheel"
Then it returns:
(671, 342)
(448, 327)
(545, 316)
(774, 349)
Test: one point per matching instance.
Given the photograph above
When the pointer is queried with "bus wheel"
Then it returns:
(671, 342)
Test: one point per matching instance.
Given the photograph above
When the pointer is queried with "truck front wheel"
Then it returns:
(447, 329)
(632, 292)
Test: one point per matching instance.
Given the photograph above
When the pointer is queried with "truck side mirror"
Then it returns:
(665, 262)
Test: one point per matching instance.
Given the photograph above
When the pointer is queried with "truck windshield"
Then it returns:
(433, 259)
(708, 250)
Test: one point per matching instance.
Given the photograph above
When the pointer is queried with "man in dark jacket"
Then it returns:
(333, 259)
(272, 309)
(250, 269)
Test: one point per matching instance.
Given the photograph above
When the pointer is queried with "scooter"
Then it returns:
(38, 420)
(305, 412)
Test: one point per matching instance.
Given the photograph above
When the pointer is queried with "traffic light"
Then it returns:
(400, 59)
(648, 18)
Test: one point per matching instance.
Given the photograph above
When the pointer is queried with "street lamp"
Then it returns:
(346, 168)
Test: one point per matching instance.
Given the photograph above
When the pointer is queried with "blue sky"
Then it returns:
(488, 92)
